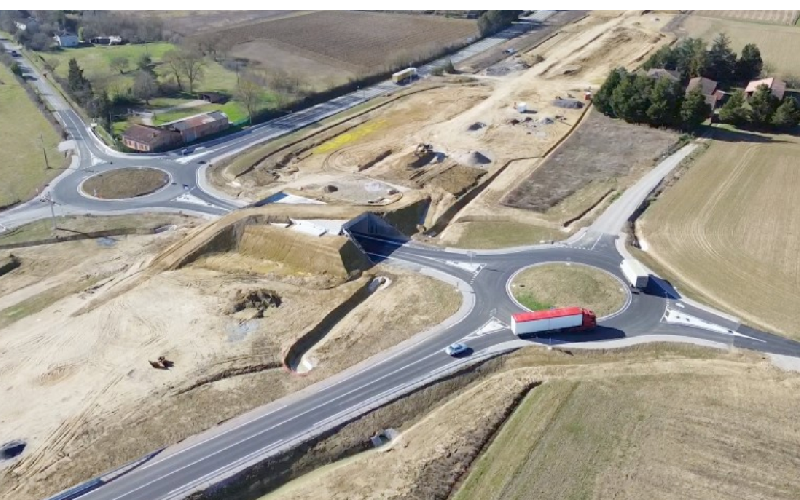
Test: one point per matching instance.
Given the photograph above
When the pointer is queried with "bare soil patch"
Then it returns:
(601, 150)
(125, 183)
(568, 285)
(500, 234)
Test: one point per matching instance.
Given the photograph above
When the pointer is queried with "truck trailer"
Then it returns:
(635, 273)
(404, 76)
(552, 320)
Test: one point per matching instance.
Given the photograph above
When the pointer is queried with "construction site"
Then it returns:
(226, 313)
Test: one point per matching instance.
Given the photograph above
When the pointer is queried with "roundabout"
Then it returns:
(566, 284)
(125, 183)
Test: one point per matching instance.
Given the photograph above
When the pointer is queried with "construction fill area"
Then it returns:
(111, 352)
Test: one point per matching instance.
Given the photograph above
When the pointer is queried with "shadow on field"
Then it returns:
(738, 135)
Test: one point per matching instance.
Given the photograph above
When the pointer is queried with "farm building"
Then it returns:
(149, 139)
(66, 40)
(707, 87)
(777, 87)
(196, 126)
(213, 97)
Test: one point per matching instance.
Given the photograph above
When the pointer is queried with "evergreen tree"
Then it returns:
(666, 98)
(689, 57)
(694, 109)
(749, 65)
(630, 98)
(75, 79)
(763, 105)
(721, 59)
(602, 99)
(733, 111)
(787, 115)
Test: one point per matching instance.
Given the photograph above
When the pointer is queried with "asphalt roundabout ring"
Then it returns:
(125, 183)
(560, 284)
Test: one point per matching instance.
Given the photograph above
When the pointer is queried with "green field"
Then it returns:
(22, 167)
(233, 109)
(96, 65)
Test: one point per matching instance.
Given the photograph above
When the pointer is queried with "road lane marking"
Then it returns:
(283, 422)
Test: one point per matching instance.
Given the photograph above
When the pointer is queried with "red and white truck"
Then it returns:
(565, 318)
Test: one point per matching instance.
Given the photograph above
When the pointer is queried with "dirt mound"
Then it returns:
(8, 264)
(476, 126)
(258, 300)
(476, 158)
(568, 103)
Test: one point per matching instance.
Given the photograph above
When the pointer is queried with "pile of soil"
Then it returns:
(256, 300)
(568, 103)
(8, 264)
(477, 158)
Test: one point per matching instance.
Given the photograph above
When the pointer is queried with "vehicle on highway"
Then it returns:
(635, 273)
(553, 320)
(456, 349)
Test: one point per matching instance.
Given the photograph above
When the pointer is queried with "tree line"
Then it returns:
(661, 102)
(690, 58)
(762, 111)
(492, 21)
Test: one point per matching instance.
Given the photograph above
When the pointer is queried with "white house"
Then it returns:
(67, 40)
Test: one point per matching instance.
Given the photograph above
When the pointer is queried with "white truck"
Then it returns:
(635, 273)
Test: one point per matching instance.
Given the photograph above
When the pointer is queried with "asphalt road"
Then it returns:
(483, 277)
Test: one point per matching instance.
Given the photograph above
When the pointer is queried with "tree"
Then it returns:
(666, 98)
(100, 107)
(119, 64)
(76, 82)
(144, 63)
(694, 109)
(787, 115)
(144, 86)
(749, 64)
(171, 60)
(733, 111)
(631, 98)
(602, 99)
(39, 41)
(721, 59)
(16, 69)
(762, 105)
(192, 64)
(250, 93)
(493, 21)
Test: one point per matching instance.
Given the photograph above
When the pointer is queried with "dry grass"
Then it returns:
(601, 150)
(758, 16)
(503, 234)
(71, 225)
(777, 43)
(727, 434)
(22, 168)
(563, 285)
(125, 183)
(730, 224)
(351, 41)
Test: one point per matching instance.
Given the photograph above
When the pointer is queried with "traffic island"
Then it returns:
(125, 183)
(565, 284)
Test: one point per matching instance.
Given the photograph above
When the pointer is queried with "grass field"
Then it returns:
(234, 110)
(95, 62)
(504, 234)
(668, 436)
(335, 45)
(562, 285)
(600, 151)
(788, 17)
(729, 228)
(778, 44)
(22, 168)
(125, 183)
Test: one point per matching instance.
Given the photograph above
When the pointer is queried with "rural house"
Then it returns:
(149, 139)
(657, 73)
(707, 87)
(27, 23)
(66, 40)
(201, 125)
(777, 87)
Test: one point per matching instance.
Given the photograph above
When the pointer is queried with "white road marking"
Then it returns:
(680, 305)
(678, 317)
(492, 326)
(190, 198)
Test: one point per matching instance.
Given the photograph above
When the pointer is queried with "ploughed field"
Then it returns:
(759, 16)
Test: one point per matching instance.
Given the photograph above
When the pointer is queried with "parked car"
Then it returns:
(456, 349)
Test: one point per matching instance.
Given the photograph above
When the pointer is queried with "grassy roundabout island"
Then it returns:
(125, 183)
(564, 285)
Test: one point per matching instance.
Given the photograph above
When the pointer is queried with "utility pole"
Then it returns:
(52, 211)
(44, 152)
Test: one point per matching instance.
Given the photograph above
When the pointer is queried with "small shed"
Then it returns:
(213, 97)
